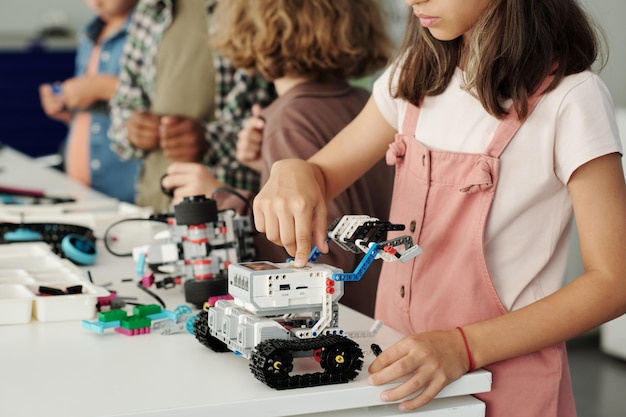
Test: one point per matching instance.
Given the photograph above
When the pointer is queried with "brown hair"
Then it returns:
(512, 48)
(316, 39)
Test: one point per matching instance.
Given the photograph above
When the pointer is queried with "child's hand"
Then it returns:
(79, 92)
(250, 139)
(291, 209)
(188, 179)
(430, 360)
(143, 130)
(52, 104)
(182, 139)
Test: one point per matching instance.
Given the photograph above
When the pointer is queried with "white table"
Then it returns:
(91, 209)
(19, 170)
(61, 369)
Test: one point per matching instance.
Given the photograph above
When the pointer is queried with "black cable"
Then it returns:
(235, 193)
(153, 295)
(158, 219)
(242, 198)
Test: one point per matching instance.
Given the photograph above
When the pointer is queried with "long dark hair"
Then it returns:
(512, 48)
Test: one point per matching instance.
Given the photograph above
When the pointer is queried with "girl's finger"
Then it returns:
(428, 393)
(259, 216)
(288, 236)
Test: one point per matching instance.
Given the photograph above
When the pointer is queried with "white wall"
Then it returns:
(28, 16)
(610, 14)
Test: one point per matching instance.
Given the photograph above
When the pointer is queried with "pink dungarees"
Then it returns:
(444, 199)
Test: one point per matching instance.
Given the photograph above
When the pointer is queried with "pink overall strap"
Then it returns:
(410, 120)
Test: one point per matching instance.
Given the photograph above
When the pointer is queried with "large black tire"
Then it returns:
(196, 210)
(197, 292)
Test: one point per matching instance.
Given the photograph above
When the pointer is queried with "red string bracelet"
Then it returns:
(467, 350)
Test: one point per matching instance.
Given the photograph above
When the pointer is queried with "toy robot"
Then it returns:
(279, 312)
(196, 250)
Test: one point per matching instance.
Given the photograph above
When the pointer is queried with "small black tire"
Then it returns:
(201, 332)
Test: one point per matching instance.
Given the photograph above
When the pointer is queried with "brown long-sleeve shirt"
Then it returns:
(297, 125)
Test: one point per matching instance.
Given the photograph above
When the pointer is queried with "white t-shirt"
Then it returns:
(528, 229)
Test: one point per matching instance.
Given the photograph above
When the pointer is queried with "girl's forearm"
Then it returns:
(105, 86)
(585, 303)
(590, 300)
(355, 149)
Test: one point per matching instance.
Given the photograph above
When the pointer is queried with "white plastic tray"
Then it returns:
(24, 268)
(97, 219)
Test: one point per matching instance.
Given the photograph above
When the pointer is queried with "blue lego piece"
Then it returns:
(190, 324)
(315, 252)
(79, 249)
(361, 267)
(163, 314)
(313, 255)
(22, 235)
(99, 327)
(182, 310)
(141, 263)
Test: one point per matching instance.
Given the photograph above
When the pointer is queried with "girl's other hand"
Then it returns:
(430, 361)
(291, 210)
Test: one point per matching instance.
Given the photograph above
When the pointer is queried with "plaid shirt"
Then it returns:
(236, 92)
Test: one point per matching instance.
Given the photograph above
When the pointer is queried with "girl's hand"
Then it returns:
(291, 210)
(52, 104)
(250, 139)
(430, 361)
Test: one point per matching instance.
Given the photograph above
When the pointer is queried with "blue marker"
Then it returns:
(56, 88)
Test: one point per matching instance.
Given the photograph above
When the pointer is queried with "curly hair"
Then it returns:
(315, 39)
(511, 49)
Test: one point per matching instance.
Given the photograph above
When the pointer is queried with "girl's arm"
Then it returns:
(291, 208)
(434, 359)
(81, 92)
(354, 150)
(598, 193)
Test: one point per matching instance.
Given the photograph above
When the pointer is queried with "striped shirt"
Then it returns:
(236, 92)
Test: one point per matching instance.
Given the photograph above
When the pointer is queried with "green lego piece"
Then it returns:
(135, 322)
(113, 315)
(146, 310)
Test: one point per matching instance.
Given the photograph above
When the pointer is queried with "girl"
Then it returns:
(82, 102)
(309, 50)
(504, 133)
